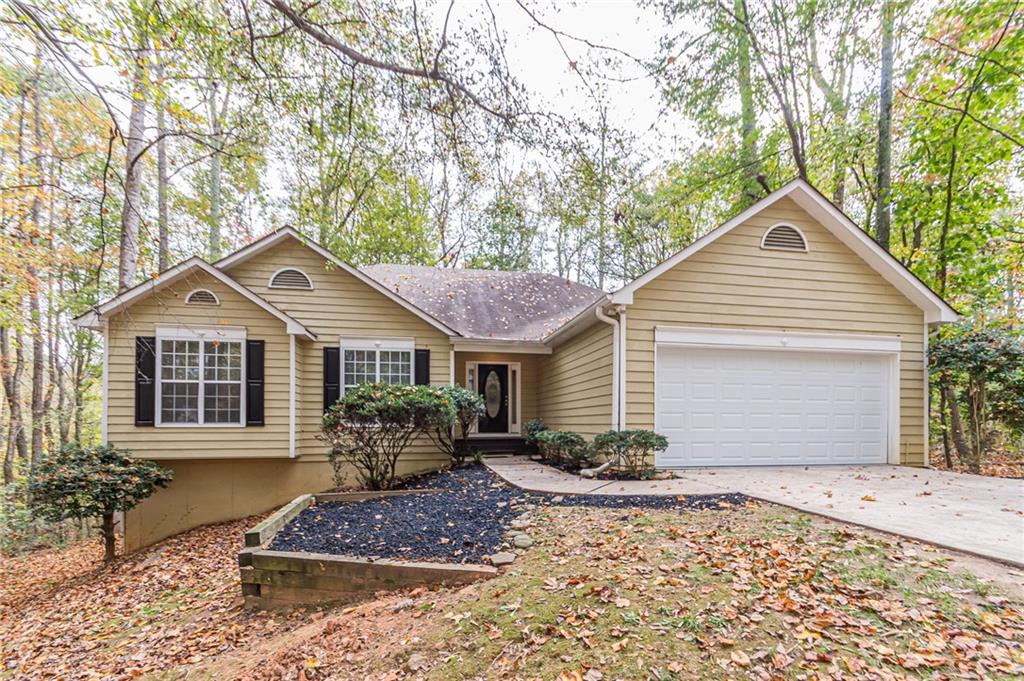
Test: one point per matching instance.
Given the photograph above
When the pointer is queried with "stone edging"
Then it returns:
(284, 578)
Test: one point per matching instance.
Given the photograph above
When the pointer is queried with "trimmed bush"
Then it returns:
(453, 438)
(533, 428)
(89, 482)
(372, 424)
(564, 446)
(631, 450)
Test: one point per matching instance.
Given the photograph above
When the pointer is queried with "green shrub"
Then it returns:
(93, 482)
(564, 446)
(372, 424)
(533, 428)
(453, 438)
(631, 450)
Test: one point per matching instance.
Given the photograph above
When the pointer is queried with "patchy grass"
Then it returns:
(758, 592)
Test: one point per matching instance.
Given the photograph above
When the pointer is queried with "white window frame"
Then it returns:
(174, 332)
(377, 345)
(516, 368)
(270, 282)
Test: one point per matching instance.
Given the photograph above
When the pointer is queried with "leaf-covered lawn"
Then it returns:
(65, 615)
(761, 592)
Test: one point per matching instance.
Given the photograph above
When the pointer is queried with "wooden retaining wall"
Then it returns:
(285, 578)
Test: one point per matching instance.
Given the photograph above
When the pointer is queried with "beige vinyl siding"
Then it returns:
(339, 305)
(575, 388)
(733, 283)
(528, 379)
(167, 306)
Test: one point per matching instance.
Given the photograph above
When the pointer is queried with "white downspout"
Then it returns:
(623, 386)
(291, 396)
(616, 359)
(105, 406)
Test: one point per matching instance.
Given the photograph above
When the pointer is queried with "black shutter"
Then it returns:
(423, 367)
(332, 376)
(145, 380)
(254, 382)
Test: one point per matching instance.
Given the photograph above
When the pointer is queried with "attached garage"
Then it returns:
(751, 398)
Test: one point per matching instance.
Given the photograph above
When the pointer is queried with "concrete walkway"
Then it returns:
(970, 513)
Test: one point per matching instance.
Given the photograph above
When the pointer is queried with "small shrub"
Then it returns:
(372, 424)
(22, 530)
(453, 437)
(564, 446)
(89, 482)
(631, 450)
(534, 427)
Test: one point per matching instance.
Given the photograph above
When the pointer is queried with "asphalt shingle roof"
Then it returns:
(487, 303)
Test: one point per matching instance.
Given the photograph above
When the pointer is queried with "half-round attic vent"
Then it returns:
(291, 277)
(784, 238)
(201, 296)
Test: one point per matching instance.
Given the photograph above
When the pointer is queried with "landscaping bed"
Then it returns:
(463, 521)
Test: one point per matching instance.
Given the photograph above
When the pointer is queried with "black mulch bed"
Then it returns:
(462, 523)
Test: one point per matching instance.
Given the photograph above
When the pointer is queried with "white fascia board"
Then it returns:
(460, 344)
(175, 273)
(578, 323)
(774, 340)
(290, 232)
(817, 206)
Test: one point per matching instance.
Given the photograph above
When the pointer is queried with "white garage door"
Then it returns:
(728, 407)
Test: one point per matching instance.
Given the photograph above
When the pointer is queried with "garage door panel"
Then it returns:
(722, 407)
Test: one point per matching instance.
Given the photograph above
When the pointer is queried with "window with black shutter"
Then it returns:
(332, 376)
(254, 384)
(145, 380)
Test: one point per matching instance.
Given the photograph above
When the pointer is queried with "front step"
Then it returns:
(502, 445)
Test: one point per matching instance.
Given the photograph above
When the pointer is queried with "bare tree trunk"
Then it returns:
(12, 389)
(748, 117)
(131, 213)
(944, 420)
(163, 235)
(35, 312)
(217, 115)
(963, 450)
(109, 537)
(883, 216)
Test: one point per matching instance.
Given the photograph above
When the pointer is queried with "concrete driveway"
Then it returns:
(975, 514)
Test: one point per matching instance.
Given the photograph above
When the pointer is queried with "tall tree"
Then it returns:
(883, 173)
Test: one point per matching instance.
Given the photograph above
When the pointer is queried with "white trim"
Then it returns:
(926, 340)
(831, 218)
(518, 347)
(106, 382)
(188, 298)
(451, 367)
(189, 332)
(269, 240)
(803, 237)
(700, 337)
(779, 340)
(518, 367)
(291, 396)
(577, 324)
(122, 301)
(376, 344)
(309, 280)
(623, 374)
(200, 335)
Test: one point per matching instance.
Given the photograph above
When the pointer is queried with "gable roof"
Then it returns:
(490, 304)
(936, 310)
(275, 237)
(121, 301)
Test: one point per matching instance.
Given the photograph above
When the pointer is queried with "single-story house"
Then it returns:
(785, 336)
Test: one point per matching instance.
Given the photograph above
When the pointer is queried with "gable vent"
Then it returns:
(291, 278)
(201, 297)
(784, 238)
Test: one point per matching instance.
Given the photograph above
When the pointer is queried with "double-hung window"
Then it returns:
(201, 375)
(369, 360)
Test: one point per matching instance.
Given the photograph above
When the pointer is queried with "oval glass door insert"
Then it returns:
(492, 394)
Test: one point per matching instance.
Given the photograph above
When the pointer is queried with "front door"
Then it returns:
(492, 384)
